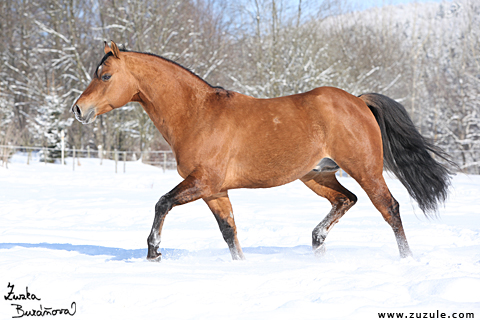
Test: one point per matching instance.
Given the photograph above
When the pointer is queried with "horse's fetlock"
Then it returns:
(318, 237)
(154, 239)
(228, 233)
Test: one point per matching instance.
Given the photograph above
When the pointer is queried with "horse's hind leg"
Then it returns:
(382, 199)
(326, 185)
(222, 210)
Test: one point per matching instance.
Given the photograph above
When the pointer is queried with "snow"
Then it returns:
(80, 236)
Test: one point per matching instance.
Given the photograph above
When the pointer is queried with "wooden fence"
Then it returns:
(162, 158)
(469, 162)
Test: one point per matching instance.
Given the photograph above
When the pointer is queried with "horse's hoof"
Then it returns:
(157, 258)
(320, 251)
(406, 254)
(153, 255)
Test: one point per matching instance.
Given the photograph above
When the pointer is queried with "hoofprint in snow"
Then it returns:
(80, 237)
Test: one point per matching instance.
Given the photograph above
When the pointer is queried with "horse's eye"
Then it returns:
(106, 77)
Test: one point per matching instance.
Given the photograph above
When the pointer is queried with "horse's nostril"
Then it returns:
(77, 110)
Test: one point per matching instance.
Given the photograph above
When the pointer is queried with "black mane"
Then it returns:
(178, 65)
(106, 56)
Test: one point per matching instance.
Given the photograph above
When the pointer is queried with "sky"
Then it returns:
(350, 5)
(364, 4)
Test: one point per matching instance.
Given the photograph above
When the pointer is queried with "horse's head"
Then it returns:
(112, 87)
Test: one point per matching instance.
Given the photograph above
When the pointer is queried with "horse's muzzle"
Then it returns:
(85, 118)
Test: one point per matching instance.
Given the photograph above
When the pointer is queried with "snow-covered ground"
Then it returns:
(80, 236)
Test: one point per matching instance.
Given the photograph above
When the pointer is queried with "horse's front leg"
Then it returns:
(194, 187)
(222, 210)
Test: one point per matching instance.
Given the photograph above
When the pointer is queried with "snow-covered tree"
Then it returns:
(424, 55)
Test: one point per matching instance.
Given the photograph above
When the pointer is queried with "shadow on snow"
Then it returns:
(119, 254)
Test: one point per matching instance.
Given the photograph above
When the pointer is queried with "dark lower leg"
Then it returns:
(161, 209)
(394, 220)
(222, 210)
(229, 234)
(383, 200)
(321, 231)
(327, 186)
(190, 189)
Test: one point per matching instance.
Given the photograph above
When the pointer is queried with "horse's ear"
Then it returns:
(107, 48)
(115, 50)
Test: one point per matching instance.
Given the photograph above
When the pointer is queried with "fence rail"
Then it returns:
(162, 158)
(165, 159)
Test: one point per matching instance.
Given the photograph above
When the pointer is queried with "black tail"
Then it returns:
(407, 153)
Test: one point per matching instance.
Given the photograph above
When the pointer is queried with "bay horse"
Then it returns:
(225, 140)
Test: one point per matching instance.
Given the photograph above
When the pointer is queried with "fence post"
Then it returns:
(164, 161)
(88, 152)
(62, 136)
(124, 160)
(73, 158)
(45, 156)
(116, 159)
(5, 157)
(100, 153)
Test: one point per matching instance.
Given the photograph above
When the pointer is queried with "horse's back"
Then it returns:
(281, 139)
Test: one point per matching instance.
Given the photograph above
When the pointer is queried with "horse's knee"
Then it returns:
(163, 205)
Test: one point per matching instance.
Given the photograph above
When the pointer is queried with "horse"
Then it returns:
(225, 140)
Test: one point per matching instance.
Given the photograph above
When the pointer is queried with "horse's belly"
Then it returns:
(266, 174)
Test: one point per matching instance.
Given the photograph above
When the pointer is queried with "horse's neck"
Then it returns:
(171, 96)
